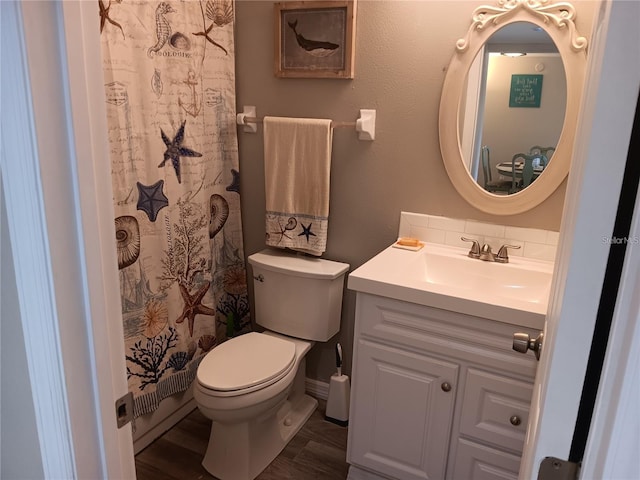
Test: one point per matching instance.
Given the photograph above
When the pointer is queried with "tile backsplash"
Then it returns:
(535, 243)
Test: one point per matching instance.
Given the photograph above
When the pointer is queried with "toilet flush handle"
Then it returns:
(259, 278)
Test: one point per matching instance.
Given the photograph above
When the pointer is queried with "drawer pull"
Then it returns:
(446, 387)
(515, 420)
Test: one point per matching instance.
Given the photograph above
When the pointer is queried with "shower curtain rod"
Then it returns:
(365, 125)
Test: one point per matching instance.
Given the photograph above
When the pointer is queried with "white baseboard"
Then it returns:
(316, 388)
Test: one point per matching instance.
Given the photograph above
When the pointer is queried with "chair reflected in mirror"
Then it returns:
(490, 185)
(526, 168)
(538, 150)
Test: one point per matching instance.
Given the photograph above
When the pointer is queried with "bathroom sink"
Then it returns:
(445, 277)
(520, 281)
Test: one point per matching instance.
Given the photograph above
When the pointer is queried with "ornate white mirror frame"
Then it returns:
(557, 19)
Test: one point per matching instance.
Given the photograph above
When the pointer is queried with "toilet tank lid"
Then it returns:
(294, 264)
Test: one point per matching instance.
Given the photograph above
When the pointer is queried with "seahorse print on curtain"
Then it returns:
(170, 95)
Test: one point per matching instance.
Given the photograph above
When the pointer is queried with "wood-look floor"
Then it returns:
(318, 451)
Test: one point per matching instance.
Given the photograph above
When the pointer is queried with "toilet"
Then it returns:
(253, 386)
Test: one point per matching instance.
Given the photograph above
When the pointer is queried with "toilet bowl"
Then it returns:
(252, 387)
(254, 412)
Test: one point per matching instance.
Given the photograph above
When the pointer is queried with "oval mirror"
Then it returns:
(507, 122)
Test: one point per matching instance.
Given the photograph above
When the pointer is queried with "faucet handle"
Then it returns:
(502, 256)
(475, 247)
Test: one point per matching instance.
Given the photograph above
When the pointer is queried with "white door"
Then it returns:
(602, 141)
(56, 181)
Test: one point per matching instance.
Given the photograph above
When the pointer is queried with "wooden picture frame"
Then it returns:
(315, 39)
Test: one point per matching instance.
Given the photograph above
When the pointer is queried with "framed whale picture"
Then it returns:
(315, 39)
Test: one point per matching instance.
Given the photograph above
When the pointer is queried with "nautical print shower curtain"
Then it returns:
(170, 94)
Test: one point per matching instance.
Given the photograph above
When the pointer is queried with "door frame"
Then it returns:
(613, 442)
(56, 181)
(88, 116)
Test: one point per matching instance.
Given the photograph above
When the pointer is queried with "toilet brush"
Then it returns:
(339, 394)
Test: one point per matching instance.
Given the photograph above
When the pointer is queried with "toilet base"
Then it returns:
(242, 451)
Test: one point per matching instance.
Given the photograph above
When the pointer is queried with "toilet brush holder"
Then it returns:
(339, 394)
(338, 400)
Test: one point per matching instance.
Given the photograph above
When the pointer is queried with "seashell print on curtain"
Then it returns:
(170, 95)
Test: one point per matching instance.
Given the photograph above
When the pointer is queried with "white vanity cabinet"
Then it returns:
(435, 394)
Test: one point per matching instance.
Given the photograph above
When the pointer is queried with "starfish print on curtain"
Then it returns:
(221, 14)
(104, 17)
(175, 150)
(193, 307)
(151, 199)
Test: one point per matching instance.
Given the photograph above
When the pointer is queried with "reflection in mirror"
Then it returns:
(512, 114)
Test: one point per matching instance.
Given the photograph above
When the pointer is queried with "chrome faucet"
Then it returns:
(502, 255)
(485, 253)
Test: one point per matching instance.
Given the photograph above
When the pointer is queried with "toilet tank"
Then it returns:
(297, 295)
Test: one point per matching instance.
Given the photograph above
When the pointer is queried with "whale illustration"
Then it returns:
(316, 48)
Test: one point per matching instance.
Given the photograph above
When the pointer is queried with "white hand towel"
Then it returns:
(297, 164)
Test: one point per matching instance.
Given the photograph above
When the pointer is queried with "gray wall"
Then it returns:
(402, 51)
(19, 447)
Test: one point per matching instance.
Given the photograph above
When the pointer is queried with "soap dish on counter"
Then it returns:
(412, 244)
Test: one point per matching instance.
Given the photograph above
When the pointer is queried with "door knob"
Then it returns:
(523, 342)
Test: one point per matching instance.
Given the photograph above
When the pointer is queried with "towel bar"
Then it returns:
(365, 125)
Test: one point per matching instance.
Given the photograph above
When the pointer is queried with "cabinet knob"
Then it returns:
(515, 420)
(446, 387)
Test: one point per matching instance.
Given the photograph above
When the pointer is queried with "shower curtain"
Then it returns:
(170, 93)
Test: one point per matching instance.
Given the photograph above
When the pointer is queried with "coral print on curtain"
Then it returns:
(170, 93)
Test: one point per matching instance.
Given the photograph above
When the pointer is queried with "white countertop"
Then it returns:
(445, 277)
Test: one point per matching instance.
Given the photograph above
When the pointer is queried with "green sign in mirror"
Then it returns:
(526, 91)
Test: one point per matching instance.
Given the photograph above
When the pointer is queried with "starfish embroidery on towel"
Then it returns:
(306, 231)
(151, 199)
(175, 150)
(192, 305)
(291, 224)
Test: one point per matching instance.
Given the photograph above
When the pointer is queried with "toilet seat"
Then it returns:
(245, 364)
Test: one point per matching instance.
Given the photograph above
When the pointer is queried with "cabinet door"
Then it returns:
(402, 422)
(479, 462)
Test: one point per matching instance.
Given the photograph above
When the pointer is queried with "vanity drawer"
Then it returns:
(495, 409)
(479, 462)
(442, 332)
